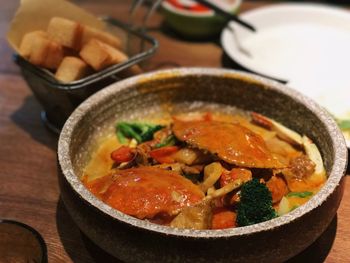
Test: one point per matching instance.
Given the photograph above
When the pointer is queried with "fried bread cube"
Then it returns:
(39, 50)
(117, 57)
(71, 69)
(74, 35)
(25, 47)
(66, 32)
(96, 55)
(100, 55)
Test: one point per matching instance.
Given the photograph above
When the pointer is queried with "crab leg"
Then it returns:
(282, 131)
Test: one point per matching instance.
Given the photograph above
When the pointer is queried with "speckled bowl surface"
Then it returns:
(134, 240)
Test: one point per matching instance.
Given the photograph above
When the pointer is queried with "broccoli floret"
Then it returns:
(140, 131)
(255, 204)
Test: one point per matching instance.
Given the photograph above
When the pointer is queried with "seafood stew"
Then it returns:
(205, 170)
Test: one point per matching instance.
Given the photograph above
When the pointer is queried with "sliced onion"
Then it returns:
(212, 173)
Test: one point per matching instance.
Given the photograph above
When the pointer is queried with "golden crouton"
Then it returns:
(72, 68)
(74, 35)
(25, 47)
(41, 51)
(74, 50)
(66, 32)
(118, 57)
(96, 55)
(100, 55)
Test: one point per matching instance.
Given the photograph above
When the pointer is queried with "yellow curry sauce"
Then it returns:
(196, 182)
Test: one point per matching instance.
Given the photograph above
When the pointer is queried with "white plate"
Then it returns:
(306, 44)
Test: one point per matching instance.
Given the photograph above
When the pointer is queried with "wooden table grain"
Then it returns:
(29, 190)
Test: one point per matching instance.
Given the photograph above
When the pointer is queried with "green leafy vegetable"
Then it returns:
(141, 132)
(300, 194)
(255, 204)
(344, 124)
(121, 138)
(168, 141)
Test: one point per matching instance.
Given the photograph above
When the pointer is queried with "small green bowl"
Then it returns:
(195, 25)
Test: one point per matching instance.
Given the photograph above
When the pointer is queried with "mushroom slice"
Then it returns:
(212, 173)
(224, 190)
(231, 142)
(199, 216)
(306, 171)
(195, 217)
(314, 154)
(282, 131)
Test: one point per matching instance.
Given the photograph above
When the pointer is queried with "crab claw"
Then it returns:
(282, 131)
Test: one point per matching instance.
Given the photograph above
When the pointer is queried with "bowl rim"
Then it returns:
(336, 173)
(207, 14)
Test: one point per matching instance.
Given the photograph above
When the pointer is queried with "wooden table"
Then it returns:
(28, 168)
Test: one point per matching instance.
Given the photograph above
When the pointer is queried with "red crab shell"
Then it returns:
(145, 192)
(231, 142)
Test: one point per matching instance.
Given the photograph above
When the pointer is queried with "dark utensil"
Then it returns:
(227, 15)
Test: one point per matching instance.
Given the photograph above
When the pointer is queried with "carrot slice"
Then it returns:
(223, 218)
(122, 154)
(164, 154)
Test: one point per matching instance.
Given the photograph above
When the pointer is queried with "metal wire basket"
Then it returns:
(60, 99)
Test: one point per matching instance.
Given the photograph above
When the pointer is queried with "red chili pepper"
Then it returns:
(122, 154)
(164, 154)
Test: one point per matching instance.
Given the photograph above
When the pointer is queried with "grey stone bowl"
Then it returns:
(133, 240)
